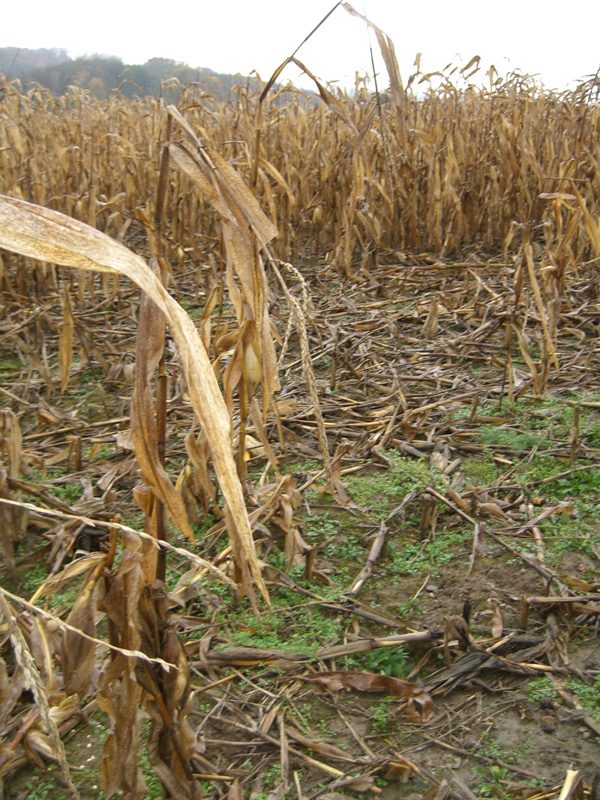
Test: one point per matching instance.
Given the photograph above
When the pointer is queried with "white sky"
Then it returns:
(557, 41)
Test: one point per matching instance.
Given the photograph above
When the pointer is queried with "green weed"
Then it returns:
(33, 577)
(193, 311)
(414, 558)
(93, 375)
(301, 467)
(321, 528)
(492, 779)
(10, 365)
(136, 522)
(379, 491)
(272, 777)
(579, 484)
(489, 747)
(508, 437)
(346, 550)
(44, 790)
(287, 626)
(492, 748)
(387, 661)
(101, 453)
(588, 696)
(57, 481)
(380, 713)
(205, 525)
(480, 470)
(324, 730)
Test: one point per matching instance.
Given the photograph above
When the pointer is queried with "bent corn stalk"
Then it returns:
(40, 233)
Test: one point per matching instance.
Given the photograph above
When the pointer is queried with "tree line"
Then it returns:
(103, 74)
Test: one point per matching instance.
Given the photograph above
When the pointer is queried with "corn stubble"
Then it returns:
(441, 170)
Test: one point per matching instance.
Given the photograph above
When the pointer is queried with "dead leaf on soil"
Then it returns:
(418, 706)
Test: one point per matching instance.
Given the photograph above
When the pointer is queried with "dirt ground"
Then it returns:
(449, 459)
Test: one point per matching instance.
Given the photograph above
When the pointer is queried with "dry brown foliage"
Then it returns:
(199, 192)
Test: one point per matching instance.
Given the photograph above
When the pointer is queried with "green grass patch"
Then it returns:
(381, 490)
(10, 365)
(509, 437)
(58, 482)
(288, 626)
(417, 558)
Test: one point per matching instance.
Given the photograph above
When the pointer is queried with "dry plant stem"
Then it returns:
(373, 557)
(80, 426)
(15, 398)
(265, 92)
(573, 703)
(298, 786)
(161, 433)
(515, 169)
(542, 570)
(400, 760)
(300, 320)
(572, 788)
(250, 656)
(192, 557)
(328, 770)
(35, 684)
(523, 158)
(135, 654)
(559, 599)
(29, 722)
(161, 382)
(348, 779)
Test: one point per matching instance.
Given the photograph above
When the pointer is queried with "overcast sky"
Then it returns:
(558, 42)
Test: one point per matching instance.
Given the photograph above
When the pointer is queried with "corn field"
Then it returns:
(481, 205)
(347, 178)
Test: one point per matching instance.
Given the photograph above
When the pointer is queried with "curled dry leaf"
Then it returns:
(45, 644)
(235, 792)
(185, 788)
(335, 796)
(362, 784)
(388, 53)
(78, 653)
(11, 442)
(320, 747)
(242, 219)
(11, 688)
(78, 567)
(492, 510)
(150, 347)
(418, 705)
(201, 484)
(497, 622)
(122, 602)
(7, 757)
(65, 706)
(458, 500)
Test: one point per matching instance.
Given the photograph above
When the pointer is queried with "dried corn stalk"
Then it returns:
(40, 233)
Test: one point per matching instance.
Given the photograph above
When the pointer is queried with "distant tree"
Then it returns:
(103, 74)
(16, 61)
(79, 72)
